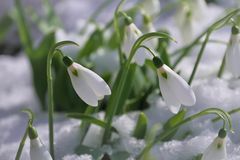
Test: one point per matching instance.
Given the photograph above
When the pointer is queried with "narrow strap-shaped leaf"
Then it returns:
(173, 121)
(141, 126)
(23, 28)
(90, 119)
(5, 24)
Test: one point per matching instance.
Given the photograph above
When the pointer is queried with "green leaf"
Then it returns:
(172, 122)
(126, 88)
(39, 66)
(5, 24)
(141, 126)
(120, 155)
(93, 43)
(90, 119)
(198, 157)
(23, 29)
(65, 98)
(85, 125)
(94, 152)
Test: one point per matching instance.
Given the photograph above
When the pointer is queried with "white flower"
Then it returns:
(233, 54)
(37, 149)
(199, 9)
(151, 7)
(217, 149)
(184, 20)
(174, 89)
(131, 34)
(89, 86)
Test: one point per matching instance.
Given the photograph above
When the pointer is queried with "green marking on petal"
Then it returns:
(74, 72)
(164, 75)
(219, 145)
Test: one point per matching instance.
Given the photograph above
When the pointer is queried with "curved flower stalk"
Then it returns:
(131, 34)
(37, 149)
(217, 149)
(89, 86)
(174, 88)
(151, 7)
(233, 53)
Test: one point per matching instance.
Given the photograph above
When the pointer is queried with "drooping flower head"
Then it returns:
(233, 53)
(37, 149)
(174, 88)
(184, 20)
(89, 86)
(217, 149)
(151, 7)
(188, 16)
(131, 34)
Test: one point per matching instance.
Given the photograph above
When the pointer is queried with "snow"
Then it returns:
(76, 157)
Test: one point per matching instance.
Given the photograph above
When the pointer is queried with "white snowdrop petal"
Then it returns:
(97, 84)
(175, 109)
(214, 151)
(179, 86)
(83, 90)
(130, 36)
(132, 33)
(152, 7)
(141, 55)
(233, 56)
(167, 94)
(38, 150)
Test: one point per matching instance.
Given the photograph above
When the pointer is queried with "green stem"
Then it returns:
(199, 43)
(117, 30)
(217, 25)
(221, 69)
(148, 49)
(21, 145)
(50, 103)
(114, 109)
(230, 113)
(160, 137)
(198, 58)
(53, 50)
(85, 125)
(23, 28)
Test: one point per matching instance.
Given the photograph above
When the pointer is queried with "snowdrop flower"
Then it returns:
(37, 149)
(174, 89)
(184, 20)
(151, 7)
(131, 34)
(199, 8)
(89, 86)
(217, 149)
(233, 53)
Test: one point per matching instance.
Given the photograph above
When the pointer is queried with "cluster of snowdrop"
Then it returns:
(137, 48)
